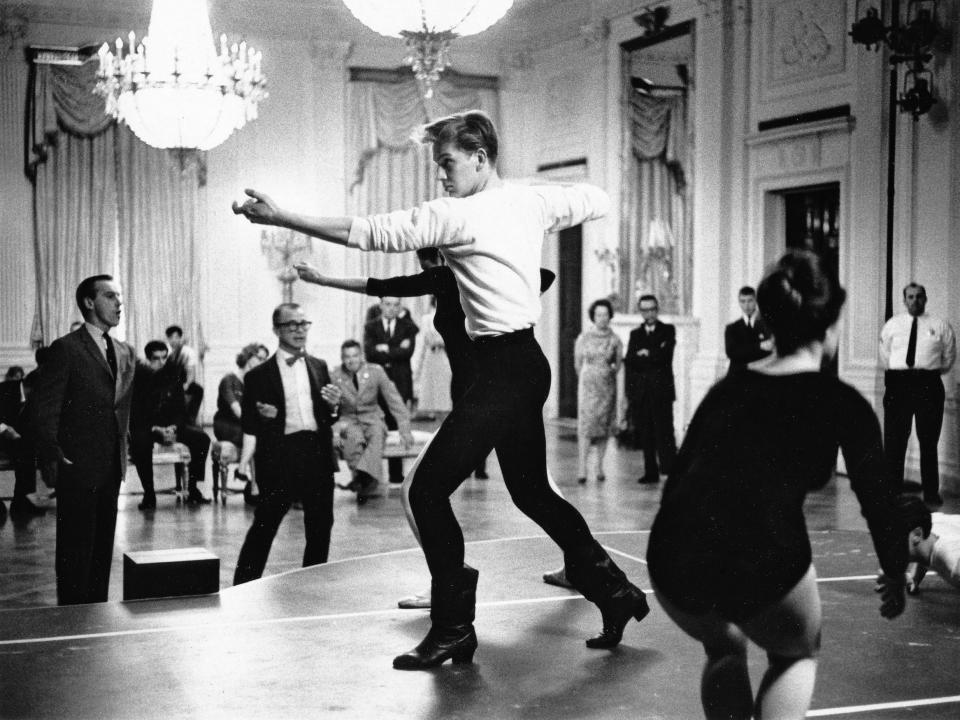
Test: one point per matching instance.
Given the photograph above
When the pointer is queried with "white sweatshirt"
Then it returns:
(491, 240)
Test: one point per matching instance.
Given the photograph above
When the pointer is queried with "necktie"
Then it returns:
(293, 358)
(912, 344)
(111, 355)
(356, 383)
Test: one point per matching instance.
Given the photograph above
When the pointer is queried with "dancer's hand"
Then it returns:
(893, 596)
(258, 208)
(308, 273)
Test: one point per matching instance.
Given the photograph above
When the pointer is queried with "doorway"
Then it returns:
(812, 222)
(569, 279)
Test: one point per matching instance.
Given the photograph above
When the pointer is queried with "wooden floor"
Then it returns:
(318, 642)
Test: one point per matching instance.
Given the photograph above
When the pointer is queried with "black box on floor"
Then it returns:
(170, 573)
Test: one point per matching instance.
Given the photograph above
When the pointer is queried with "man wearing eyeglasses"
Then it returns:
(289, 406)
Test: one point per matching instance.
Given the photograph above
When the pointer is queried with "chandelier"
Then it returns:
(175, 89)
(427, 27)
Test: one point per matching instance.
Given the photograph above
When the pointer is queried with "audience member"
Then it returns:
(389, 342)
(728, 555)
(14, 373)
(17, 444)
(650, 390)
(360, 432)
(187, 360)
(81, 414)
(288, 408)
(747, 339)
(159, 415)
(915, 349)
(597, 354)
(431, 368)
(226, 421)
(933, 542)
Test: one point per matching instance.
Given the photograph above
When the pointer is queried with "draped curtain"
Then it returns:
(655, 232)
(388, 167)
(105, 202)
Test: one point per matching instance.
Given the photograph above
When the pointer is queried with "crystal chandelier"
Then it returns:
(427, 27)
(175, 89)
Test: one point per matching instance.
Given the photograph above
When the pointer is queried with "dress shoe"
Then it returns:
(649, 479)
(148, 503)
(582, 480)
(195, 498)
(248, 497)
(415, 602)
(481, 474)
(22, 508)
(601, 478)
(558, 578)
(396, 479)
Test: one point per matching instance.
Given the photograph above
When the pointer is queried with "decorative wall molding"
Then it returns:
(804, 41)
(595, 33)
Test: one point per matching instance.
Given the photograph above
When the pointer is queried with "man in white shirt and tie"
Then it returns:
(289, 406)
(915, 349)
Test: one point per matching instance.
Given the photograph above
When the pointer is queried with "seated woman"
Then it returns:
(226, 421)
(729, 556)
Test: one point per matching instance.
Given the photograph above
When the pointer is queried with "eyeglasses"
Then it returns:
(652, 308)
(294, 325)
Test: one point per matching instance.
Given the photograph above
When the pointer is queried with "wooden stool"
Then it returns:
(170, 573)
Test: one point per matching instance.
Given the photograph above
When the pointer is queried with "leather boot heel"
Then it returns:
(441, 644)
(616, 613)
(463, 656)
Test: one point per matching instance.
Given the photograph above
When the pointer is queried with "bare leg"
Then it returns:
(601, 445)
(583, 455)
(725, 684)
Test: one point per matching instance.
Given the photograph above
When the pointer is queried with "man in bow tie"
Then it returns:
(81, 411)
(361, 431)
(747, 339)
(289, 406)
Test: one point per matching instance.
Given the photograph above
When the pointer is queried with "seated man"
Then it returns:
(934, 541)
(15, 443)
(159, 414)
(361, 430)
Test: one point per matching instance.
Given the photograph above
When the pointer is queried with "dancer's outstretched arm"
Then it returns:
(309, 273)
(260, 209)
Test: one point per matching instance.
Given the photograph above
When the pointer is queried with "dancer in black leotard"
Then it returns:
(729, 555)
(491, 235)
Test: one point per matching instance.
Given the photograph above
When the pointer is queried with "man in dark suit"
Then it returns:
(650, 389)
(389, 342)
(747, 339)
(82, 410)
(288, 409)
(159, 414)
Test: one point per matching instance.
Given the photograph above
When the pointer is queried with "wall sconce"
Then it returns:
(652, 20)
(282, 249)
(917, 98)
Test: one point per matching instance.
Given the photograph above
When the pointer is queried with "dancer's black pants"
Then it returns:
(502, 410)
(913, 394)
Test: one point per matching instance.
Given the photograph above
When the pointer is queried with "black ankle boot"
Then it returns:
(451, 635)
(597, 577)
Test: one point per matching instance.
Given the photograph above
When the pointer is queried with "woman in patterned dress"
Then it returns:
(597, 356)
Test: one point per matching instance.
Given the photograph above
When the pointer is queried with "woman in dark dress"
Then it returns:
(226, 421)
(729, 555)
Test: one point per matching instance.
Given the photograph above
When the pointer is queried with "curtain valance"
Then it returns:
(658, 128)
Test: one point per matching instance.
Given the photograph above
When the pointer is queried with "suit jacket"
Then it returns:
(650, 376)
(396, 361)
(11, 404)
(263, 384)
(743, 342)
(81, 412)
(362, 404)
(158, 399)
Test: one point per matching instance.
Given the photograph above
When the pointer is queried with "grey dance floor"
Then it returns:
(318, 643)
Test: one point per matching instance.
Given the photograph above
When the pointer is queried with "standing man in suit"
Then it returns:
(915, 349)
(650, 389)
(361, 431)
(389, 342)
(82, 410)
(288, 409)
(747, 339)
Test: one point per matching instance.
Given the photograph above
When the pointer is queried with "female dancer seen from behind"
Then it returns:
(491, 235)
(729, 555)
(436, 279)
